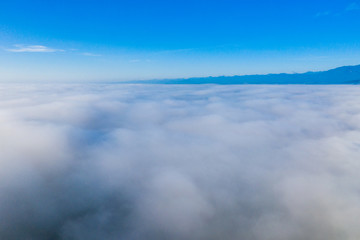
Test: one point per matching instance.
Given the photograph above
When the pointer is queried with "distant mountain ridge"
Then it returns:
(341, 75)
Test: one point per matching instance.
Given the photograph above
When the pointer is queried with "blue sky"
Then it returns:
(124, 40)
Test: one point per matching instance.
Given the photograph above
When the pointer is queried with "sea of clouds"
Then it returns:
(194, 162)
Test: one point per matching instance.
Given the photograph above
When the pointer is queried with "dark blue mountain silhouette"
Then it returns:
(341, 75)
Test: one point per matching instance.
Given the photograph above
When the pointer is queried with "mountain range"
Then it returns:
(341, 75)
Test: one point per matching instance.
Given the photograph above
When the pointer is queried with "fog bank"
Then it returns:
(179, 162)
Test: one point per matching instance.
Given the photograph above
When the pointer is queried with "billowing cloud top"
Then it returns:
(179, 162)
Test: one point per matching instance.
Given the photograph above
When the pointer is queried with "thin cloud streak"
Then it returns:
(322, 14)
(33, 49)
(351, 7)
(88, 54)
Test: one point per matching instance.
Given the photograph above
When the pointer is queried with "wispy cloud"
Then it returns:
(22, 48)
(135, 60)
(322, 14)
(353, 6)
(91, 54)
(139, 60)
(175, 51)
(33, 48)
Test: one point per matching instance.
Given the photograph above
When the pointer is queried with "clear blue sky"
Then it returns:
(73, 40)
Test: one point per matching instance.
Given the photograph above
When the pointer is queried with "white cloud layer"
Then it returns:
(179, 162)
(33, 48)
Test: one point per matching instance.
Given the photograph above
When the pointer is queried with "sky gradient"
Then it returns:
(129, 40)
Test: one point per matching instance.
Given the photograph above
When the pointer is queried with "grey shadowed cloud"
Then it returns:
(179, 162)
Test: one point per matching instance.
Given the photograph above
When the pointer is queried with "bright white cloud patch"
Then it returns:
(179, 162)
(33, 48)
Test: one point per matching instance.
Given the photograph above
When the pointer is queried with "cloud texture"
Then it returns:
(19, 48)
(179, 162)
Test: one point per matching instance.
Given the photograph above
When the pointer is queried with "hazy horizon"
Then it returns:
(112, 81)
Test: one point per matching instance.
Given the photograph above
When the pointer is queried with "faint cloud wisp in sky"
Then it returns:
(322, 14)
(20, 48)
(88, 54)
(353, 6)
